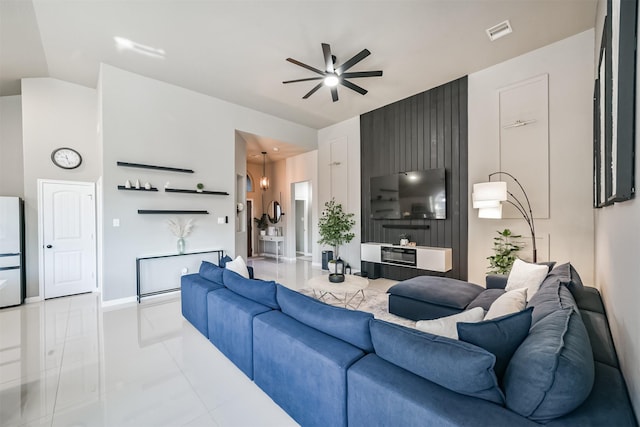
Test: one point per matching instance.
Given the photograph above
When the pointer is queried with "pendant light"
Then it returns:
(264, 181)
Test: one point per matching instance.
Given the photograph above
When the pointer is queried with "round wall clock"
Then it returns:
(66, 158)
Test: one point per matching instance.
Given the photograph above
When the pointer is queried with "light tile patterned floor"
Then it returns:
(68, 362)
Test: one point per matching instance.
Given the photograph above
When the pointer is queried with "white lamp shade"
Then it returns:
(489, 192)
(494, 212)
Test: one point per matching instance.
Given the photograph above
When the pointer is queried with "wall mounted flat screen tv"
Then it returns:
(409, 195)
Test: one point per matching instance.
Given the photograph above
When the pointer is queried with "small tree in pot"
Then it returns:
(505, 252)
(262, 223)
(335, 226)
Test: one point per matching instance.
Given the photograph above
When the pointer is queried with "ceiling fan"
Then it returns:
(334, 75)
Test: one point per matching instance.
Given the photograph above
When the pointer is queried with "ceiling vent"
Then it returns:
(500, 30)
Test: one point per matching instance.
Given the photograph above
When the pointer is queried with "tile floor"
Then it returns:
(68, 362)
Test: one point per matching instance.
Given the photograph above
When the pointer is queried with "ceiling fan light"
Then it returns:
(331, 80)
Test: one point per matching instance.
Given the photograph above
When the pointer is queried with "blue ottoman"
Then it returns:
(431, 297)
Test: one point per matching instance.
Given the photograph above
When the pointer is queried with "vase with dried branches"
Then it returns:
(181, 230)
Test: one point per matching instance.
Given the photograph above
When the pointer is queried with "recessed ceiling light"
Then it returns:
(500, 30)
(276, 149)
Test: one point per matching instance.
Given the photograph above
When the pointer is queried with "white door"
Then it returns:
(68, 238)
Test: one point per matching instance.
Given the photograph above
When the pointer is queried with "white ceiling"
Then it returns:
(236, 50)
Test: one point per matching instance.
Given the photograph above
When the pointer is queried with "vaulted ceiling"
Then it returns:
(236, 50)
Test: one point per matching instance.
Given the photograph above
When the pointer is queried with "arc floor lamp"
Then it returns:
(488, 198)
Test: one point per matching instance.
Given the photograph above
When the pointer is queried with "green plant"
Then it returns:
(335, 226)
(263, 222)
(404, 236)
(505, 252)
(200, 186)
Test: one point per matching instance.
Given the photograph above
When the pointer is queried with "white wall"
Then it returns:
(617, 267)
(568, 233)
(303, 167)
(148, 121)
(11, 165)
(239, 218)
(347, 132)
(54, 114)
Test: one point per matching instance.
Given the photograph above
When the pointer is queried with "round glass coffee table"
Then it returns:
(349, 289)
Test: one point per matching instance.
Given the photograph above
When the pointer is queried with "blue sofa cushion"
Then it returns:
(552, 371)
(260, 291)
(569, 276)
(380, 393)
(302, 369)
(348, 325)
(501, 336)
(224, 260)
(485, 299)
(551, 297)
(438, 290)
(211, 272)
(456, 365)
(231, 326)
(193, 296)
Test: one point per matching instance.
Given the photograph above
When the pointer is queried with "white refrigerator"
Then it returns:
(12, 276)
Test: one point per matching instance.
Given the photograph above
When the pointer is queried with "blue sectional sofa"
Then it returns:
(328, 366)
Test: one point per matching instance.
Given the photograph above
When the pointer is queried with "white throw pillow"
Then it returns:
(238, 265)
(507, 303)
(526, 275)
(446, 326)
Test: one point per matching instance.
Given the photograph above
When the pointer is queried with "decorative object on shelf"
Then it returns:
(262, 223)
(199, 187)
(239, 207)
(127, 184)
(163, 168)
(124, 187)
(180, 190)
(147, 186)
(505, 252)
(404, 239)
(137, 183)
(488, 198)
(335, 226)
(180, 229)
(338, 275)
(66, 158)
(167, 184)
(264, 181)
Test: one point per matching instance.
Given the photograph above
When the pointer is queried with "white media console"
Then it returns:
(421, 257)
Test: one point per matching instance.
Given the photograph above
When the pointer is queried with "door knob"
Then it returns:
(49, 246)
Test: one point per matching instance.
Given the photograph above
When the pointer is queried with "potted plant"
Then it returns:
(335, 226)
(262, 223)
(199, 187)
(404, 239)
(505, 252)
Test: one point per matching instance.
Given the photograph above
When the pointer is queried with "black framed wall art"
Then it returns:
(614, 106)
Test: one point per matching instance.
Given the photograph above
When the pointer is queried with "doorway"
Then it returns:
(302, 207)
(67, 237)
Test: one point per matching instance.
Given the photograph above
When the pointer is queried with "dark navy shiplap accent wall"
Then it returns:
(427, 130)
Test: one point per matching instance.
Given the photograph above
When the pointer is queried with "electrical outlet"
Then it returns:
(116, 222)
(221, 220)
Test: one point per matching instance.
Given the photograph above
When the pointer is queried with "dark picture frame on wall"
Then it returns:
(614, 107)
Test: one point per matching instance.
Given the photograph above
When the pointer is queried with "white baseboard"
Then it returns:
(31, 300)
(119, 301)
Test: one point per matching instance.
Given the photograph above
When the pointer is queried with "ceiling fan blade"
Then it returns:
(334, 93)
(303, 80)
(354, 87)
(326, 51)
(308, 67)
(362, 74)
(312, 91)
(353, 61)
